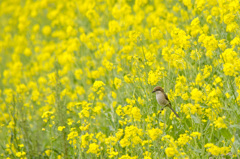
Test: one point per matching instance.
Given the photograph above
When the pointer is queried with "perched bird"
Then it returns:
(162, 99)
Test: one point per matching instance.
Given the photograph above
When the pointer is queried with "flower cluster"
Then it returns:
(76, 78)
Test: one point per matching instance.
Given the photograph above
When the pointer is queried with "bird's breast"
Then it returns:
(161, 99)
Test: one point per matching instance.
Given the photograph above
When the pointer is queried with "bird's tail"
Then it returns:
(174, 112)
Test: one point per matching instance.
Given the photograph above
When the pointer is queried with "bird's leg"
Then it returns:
(162, 109)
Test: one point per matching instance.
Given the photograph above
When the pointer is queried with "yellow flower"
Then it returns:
(35, 95)
(154, 133)
(119, 133)
(199, 79)
(119, 111)
(36, 28)
(150, 57)
(124, 142)
(207, 71)
(147, 155)
(84, 113)
(140, 100)
(46, 114)
(232, 27)
(48, 152)
(209, 42)
(180, 38)
(136, 113)
(97, 85)
(9, 95)
(111, 140)
(21, 89)
(227, 95)
(128, 157)
(108, 65)
(21, 145)
(134, 36)
(183, 139)
(112, 153)
(73, 136)
(27, 52)
(50, 99)
(114, 95)
(152, 78)
(219, 123)
(228, 18)
(19, 154)
(128, 79)
(218, 80)
(52, 78)
(132, 136)
(42, 80)
(60, 128)
(78, 74)
(194, 134)
(171, 151)
(117, 82)
(196, 55)
(46, 30)
(195, 27)
(85, 139)
(93, 148)
(196, 95)
(156, 33)
(215, 150)
(80, 90)
(114, 27)
(222, 44)
(235, 42)
(229, 55)
(229, 69)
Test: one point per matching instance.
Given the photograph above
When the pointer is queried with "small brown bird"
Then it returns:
(162, 99)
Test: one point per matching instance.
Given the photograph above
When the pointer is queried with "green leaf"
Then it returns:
(235, 126)
(226, 133)
(196, 119)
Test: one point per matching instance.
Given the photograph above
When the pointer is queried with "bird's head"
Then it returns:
(157, 88)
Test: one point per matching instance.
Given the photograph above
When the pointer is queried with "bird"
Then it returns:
(162, 99)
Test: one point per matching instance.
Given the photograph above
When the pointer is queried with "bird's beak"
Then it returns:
(153, 91)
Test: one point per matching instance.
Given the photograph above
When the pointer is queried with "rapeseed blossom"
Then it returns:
(83, 72)
(196, 95)
(93, 148)
(215, 150)
(219, 123)
(154, 133)
(171, 151)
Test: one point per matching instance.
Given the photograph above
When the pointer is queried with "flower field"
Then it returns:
(76, 79)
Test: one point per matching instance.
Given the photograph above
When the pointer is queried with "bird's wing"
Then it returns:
(166, 96)
(167, 99)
